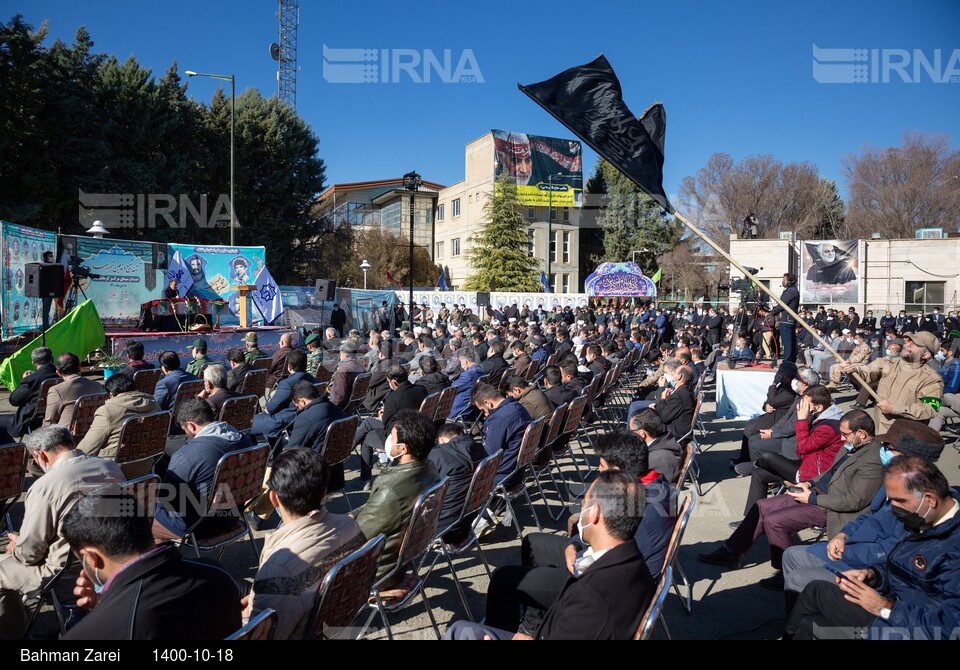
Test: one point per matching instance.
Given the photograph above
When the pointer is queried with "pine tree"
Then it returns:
(498, 250)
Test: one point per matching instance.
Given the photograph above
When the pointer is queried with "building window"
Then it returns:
(470, 198)
(531, 249)
(566, 247)
(923, 295)
(553, 214)
(553, 246)
(439, 212)
(455, 245)
(566, 283)
(531, 214)
(439, 249)
(456, 208)
(553, 283)
(566, 214)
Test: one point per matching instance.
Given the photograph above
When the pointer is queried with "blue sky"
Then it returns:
(734, 77)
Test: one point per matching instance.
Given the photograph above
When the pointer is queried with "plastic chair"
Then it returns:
(239, 412)
(142, 438)
(654, 611)
(84, 409)
(237, 481)
(260, 627)
(544, 461)
(416, 541)
(345, 591)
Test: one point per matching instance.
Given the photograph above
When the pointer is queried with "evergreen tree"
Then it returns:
(498, 250)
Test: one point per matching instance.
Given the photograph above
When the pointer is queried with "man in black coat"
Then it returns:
(373, 432)
(152, 593)
(603, 598)
(788, 327)
(239, 368)
(431, 378)
(495, 365)
(26, 396)
(338, 318)
(455, 456)
(309, 428)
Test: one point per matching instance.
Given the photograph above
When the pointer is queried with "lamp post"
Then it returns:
(365, 266)
(412, 183)
(550, 240)
(233, 132)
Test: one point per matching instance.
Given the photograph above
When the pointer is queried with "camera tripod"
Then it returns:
(71, 300)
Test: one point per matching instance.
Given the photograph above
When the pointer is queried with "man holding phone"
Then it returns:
(913, 591)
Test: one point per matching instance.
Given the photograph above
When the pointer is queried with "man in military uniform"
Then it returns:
(314, 352)
(253, 351)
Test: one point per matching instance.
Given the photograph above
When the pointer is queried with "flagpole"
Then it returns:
(796, 317)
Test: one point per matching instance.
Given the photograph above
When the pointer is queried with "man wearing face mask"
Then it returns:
(860, 355)
(911, 593)
(868, 536)
(903, 383)
(138, 591)
(890, 347)
(39, 550)
(837, 496)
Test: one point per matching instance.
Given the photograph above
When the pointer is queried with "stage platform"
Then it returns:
(218, 341)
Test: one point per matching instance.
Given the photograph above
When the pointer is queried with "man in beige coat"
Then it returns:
(904, 382)
(297, 556)
(103, 438)
(859, 356)
(61, 398)
(38, 551)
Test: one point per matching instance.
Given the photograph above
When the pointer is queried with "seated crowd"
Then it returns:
(867, 479)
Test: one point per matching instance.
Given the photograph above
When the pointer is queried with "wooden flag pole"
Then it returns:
(796, 317)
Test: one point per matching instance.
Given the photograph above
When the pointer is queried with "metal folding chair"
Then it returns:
(13, 464)
(143, 439)
(145, 381)
(239, 412)
(338, 445)
(260, 627)
(84, 409)
(529, 445)
(654, 611)
(672, 559)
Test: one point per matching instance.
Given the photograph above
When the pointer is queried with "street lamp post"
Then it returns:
(412, 183)
(365, 266)
(550, 241)
(233, 133)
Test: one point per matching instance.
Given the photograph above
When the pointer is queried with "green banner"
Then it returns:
(548, 171)
(79, 332)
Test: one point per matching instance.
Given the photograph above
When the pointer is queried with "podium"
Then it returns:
(243, 304)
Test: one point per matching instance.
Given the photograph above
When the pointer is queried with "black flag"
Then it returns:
(588, 100)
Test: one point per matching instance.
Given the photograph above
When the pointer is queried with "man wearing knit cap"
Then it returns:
(870, 535)
(904, 382)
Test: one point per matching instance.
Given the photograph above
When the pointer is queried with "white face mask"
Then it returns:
(581, 525)
(795, 385)
(388, 446)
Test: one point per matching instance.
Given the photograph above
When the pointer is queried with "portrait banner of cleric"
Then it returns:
(828, 271)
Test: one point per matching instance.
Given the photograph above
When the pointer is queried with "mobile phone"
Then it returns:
(794, 489)
(837, 572)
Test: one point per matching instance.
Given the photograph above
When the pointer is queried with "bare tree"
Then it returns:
(897, 190)
(692, 269)
(782, 197)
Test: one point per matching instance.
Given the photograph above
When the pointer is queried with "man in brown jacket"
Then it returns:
(38, 551)
(530, 397)
(904, 382)
(61, 398)
(278, 362)
(125, 400)
(311, 540)
(341, 386)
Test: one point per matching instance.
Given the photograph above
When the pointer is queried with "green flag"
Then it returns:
(79, 332)
(657, 275)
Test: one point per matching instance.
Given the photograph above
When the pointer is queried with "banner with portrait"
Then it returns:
(498, 300)
(362, 306)
(21, 245)
(122, 274)
(214, 269)
(830, 272)
(547, 170)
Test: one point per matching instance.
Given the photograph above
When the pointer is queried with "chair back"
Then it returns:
(683, 518)
(482, 379)
(423, 524)
(145, 381)
(322, 373)
(428, 407)
(145, 491)
(552, 359)
(338, 442)
(575, 411)
(555, 425)
(345, 589)
(254, 382)
(262, 363)
(481, 484)
(143, 436)
(45, 387)
(649, 620)
(186, 390)
(447, 396)
(12, 463)
(321, 388)
(361, 384)
(530, 443)
(260, 627)
(690, 452)
(239, 412)
(531, 372)
(237, 480)
(83, 410)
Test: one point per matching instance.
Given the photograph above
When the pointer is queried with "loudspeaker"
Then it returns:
(326, 289)
(483, 299)
(43, 280)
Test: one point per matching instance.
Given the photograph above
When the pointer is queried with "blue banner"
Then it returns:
(21, 245)
(215, 269)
